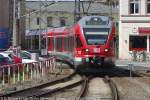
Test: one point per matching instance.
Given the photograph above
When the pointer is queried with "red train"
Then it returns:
(91, 40)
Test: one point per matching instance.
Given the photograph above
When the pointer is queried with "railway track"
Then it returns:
(142, 73)
(48, 89)
(44, 89)
(113, 87)
(84, 88)
(56, 86)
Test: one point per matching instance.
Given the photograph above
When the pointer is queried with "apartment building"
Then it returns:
(134, 27)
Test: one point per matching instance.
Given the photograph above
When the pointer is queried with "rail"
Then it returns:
(115, 93)
(84, 89)
(16, 73)
(39, 90)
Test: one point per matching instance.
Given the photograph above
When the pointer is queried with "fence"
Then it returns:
(12, 74)
(140, 56)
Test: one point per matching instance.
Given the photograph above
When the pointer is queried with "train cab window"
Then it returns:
(137, 43)
(78, 42)
(96, 35)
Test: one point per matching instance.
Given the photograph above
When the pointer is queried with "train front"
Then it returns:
(94, 40)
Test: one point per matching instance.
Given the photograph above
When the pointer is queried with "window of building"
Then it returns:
(134, 6)
(63, 21)
(38, 21)
(137, 43)
(49, 21)
(148, 6)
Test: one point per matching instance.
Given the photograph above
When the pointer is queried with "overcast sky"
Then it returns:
(50, 0)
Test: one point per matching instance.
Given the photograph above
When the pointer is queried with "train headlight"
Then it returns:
(87, 50)
(106, 50)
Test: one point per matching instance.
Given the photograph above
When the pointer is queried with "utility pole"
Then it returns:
(31, 47)
(40, 25)
(77, 13)
(46, 30)
(110, 5)
(14, 24)
(18, 24)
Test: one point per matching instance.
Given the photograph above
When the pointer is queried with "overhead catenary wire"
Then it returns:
(42, 7)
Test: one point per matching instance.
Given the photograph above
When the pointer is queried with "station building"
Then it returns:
(134, 27)
(61, 13)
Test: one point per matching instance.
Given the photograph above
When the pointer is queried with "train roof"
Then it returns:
(95, 21)
(57, 31)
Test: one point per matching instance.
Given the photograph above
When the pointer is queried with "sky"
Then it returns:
(50, 0)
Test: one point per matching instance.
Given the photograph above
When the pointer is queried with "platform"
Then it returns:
(136, 64)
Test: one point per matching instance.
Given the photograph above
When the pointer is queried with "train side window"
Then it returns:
(59, 44)
(51, 43)
(78, 42)
(65, 42)
(72, 43)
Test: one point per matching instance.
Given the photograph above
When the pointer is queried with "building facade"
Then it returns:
(134, 27)
(62, 13)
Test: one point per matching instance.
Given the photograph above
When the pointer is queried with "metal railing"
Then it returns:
(148, 56)
(138, 55)
(12, 74)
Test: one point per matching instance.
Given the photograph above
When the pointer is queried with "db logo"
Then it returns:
(134, 30)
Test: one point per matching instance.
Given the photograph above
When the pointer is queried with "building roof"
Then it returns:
(68, 6)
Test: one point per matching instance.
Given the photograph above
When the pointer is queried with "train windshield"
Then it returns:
(96, 36)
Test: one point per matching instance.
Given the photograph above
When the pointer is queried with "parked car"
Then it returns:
(5, 59)
(26, 56)
(11, 58)
(8, 59)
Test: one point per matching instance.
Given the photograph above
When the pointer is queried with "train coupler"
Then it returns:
(98, 60)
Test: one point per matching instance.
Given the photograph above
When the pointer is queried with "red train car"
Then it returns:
(61, 43)
(91, 40)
